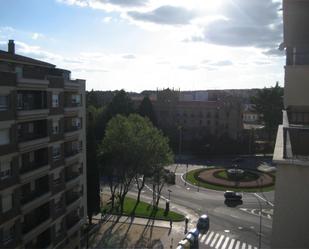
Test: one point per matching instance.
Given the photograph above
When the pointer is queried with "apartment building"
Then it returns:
(42, 154)
(199, 117)
(290, 223)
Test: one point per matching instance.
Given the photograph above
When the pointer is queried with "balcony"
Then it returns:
(32, 77)
(35, 218)
(42, 241)
(41, 188)
(71, 197)
(7, 79)
(34, 160)
(32, 133)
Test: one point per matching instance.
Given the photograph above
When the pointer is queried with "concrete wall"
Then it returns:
(291, 214)
(296, 87)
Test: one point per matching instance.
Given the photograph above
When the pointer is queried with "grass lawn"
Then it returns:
(145, 210)
(192, 179)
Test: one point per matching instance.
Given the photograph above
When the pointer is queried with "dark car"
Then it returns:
(232, 196)
(203, 223)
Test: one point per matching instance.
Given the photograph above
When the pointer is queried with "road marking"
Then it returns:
(225, 242)
(237, 244)
(232, 243)
(203, 237)
(249, 247)
(219, 242)
(199, 236)
(263, 199)
(243, 246)
(214, 240)
(209, 238)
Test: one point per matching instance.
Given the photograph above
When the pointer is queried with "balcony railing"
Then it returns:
(72, 128)
(27, 167)
(41, 190)
(71, 175)
(37, 217)
(72, 197)
(71, 221)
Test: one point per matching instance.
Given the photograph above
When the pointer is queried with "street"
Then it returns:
(230, 227)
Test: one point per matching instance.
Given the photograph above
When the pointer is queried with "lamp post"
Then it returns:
(260, 216)
(169, 194)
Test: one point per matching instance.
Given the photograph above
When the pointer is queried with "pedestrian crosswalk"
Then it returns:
(216, 240)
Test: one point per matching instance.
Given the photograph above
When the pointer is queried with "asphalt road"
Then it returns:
(240, 225)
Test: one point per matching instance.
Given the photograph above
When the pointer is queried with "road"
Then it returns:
(230, 227)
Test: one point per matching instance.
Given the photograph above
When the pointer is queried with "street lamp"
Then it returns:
(260, 231)
(169, 194)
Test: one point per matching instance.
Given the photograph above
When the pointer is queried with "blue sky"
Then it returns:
(150, 44)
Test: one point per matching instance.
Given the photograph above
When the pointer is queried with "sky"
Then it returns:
(152, 44)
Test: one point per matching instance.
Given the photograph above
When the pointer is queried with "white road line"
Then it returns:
(268, 202)
(225, 243)
(214, 240)
(219, 242)
(199, 236)
(232, 243)
(237, 244)
(255, 247)
(209, 238)
(249, 247)
(203, 238)
(243, 246)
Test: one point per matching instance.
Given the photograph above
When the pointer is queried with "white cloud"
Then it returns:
(36, 36)
(107, 19)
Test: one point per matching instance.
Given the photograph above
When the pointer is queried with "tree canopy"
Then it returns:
(269, 103)
(146, 110)
(132, 146)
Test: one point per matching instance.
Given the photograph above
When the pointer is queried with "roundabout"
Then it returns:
(242, 180)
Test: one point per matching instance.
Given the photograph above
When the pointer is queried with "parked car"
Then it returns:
(203, 223)
(232, 196)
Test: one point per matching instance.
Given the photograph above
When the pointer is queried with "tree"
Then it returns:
(269, 103)
(93, 180)
(121, 104)
(146, 110)
(133, 148)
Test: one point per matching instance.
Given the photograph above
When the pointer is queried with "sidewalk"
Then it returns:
(131, 232)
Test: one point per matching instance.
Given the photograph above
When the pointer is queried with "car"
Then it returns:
(203, 223)
(232, 196)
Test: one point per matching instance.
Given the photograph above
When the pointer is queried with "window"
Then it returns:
(56, 153)
(58, 228)
(3, 103)
(6, 203)
(55, 127)
(4, 136)
(55, 100)
(76, 99)
(5, 169)
(7, 234)
(30, 127)
(57, 177)
(76, 123)
(31, 156)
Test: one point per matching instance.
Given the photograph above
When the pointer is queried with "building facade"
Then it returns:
(198, 118)
(42, 154)
(290, 223)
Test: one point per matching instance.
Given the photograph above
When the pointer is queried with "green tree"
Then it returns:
(121, 104)
(93, 181)
(131, 149)
(269, 103)
(146, 110)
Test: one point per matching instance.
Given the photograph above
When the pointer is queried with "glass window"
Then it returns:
(3, 103)
(56, 151)
(55, 100)
(6, 203)
(30, 127)
(76, 122)
(5, 169)
(7, 234)
(76, 99)
(4, 136)
(55, 127)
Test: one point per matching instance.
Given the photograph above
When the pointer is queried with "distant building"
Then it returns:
(291, 216)
(42, 154)
(197, 116)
